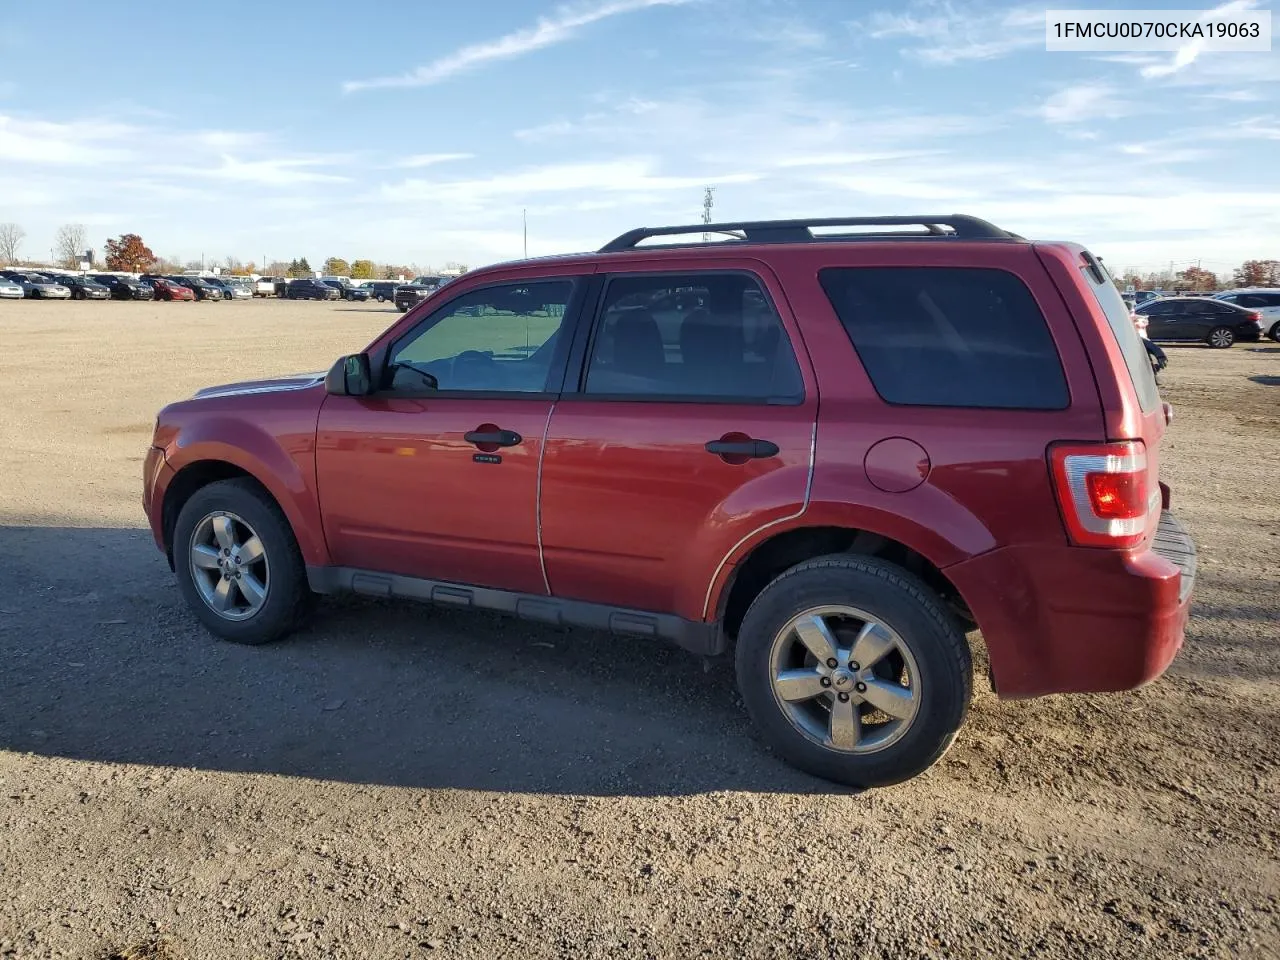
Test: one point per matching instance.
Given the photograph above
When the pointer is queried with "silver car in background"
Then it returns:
(10, 290)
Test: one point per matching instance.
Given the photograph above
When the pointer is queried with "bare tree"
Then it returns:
(10, 239)
(68, 245)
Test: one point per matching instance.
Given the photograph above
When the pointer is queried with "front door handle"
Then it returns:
(493, 438)
(752, 449)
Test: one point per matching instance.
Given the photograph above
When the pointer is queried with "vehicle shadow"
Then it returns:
(1267, 380)
(105, 663)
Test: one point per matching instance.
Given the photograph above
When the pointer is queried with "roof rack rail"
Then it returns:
(962, 227)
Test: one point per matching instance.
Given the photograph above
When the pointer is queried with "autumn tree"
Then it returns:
(392, 272)
(337, 267)
(68, 245)
(362, 270)
(1251, 273)
(10, 239)
(127, 253)
(277, 268)
(1195, 278)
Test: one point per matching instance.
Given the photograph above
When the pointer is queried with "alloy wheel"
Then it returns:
(1221, 338)
(229, 566)
(844, 679)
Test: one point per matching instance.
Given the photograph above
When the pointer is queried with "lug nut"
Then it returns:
(825, 681)
(844, 697)
(832, 663)
(861, 687)
(853, 665)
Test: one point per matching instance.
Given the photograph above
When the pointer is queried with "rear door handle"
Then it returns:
(496, 438)
(755, 449)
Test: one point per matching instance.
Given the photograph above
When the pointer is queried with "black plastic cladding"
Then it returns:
(962, 226)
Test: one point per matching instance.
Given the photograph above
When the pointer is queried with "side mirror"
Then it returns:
(350, 376)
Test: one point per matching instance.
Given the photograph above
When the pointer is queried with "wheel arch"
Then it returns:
(782, 550)
(192, 478)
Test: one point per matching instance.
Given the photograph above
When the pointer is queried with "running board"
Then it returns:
(705, 639)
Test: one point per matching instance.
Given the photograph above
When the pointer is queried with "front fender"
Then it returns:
(283, 461)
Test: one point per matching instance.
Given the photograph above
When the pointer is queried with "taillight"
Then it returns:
(1256, 316)
(1104, 491)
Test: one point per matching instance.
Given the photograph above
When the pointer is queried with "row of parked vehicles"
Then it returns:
(59, 285)
(1219, 319)
(52, 285)
(403, 295)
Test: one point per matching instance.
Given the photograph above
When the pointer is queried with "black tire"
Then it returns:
(906, 605)
(1221, 338)
(289, 598)
(1275, 331)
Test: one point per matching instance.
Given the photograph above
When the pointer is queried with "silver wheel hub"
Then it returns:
(229, 566)
(844, 679)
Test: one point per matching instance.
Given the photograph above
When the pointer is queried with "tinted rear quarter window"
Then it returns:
(1136, 359)
(949, 336)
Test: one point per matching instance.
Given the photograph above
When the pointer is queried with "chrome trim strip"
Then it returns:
(542, 452)
(808, 490)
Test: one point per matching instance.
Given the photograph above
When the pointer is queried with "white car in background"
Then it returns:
(10, 290)
(1266, 300)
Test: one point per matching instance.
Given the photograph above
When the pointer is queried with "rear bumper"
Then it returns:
(1080, 620)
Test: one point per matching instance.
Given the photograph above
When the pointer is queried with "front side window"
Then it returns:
(709, 337)
(505, 339)
(950, 337)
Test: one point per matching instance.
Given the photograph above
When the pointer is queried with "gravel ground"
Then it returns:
(398, 781)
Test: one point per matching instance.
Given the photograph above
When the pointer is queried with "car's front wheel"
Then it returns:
(854, 670)
(1274, 333)
(1221, 337)
(238, 563)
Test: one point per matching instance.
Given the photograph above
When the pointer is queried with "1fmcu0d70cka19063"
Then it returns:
(830, 448)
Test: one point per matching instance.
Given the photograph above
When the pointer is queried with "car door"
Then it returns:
(435, 475)
(690, 427)
(1162, 319)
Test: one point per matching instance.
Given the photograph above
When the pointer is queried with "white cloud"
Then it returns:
(82, 142)
(947, 33)
(430, 159)
(1190, 51)
(548, 31)
(626, 174)
(1083, 102)
(277, 172)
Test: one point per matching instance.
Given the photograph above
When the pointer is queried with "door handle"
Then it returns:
(753, 449)
(496, 438)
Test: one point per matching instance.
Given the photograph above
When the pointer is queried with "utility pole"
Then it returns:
(524, 223)
(708, 201)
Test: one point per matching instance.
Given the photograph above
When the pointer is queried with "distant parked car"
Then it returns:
(1142, 296)
(346, 289)
(200, 287)
(1215, 322)
(11, 290)
(230, 289)
(305, 288)
(264, 287)
(381, 290)
(40, 286)
(125, 288)
(84, 288)
(1266, 300)
(166, 289)
(409, 295)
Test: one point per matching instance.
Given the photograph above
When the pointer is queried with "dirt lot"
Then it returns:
(383, 786)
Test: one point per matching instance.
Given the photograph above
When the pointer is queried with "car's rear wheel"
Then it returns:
(854, 670)
(1221, 337)
(1274, 334)
(238, 563)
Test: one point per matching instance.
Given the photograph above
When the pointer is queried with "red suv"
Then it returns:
(832, 447)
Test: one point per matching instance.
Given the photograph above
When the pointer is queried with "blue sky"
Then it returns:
(417, 131)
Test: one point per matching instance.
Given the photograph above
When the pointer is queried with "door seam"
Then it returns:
(542, 453)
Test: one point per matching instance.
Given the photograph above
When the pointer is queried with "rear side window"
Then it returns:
(1136, 359)
(948, 336)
